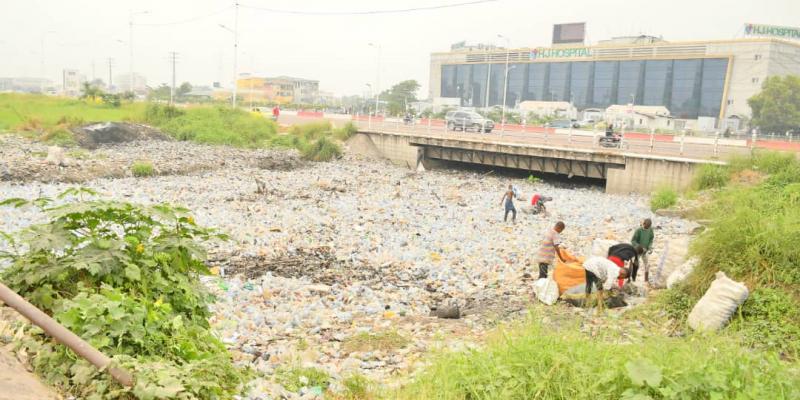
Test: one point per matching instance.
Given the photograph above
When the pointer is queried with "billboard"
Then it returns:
(784, 32)
(569, 33)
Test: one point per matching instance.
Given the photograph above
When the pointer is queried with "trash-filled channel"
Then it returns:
(324, 254)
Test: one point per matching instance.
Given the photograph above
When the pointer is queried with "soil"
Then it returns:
(16, 383)
(93, 136)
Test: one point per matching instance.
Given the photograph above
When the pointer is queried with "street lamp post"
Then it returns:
(505, 84)
(377, 77)
(130, 45)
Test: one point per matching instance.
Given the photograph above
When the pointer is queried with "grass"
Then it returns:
(664, 197)
(295, 378)
(384, 341)
(142, 169)
(357, 387)
(711, 176)
(323, 149)
(530, 361)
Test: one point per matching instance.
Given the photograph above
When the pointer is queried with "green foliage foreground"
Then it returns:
(665, 197)
(126, 279)
(534, 362)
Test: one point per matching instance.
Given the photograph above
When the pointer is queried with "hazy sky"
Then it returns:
(333, 49)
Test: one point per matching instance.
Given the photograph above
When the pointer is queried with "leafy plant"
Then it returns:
(665, 197)
(533, 179)
(357, 387)
(142, 168)
(711, 176)
(322, 149)
(294, 378)
(125, 278)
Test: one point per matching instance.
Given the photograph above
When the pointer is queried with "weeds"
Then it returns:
(384, 341)
(142, 169)
(212, 125)
(711, 176)
(357, 387)
(295, 378)
(345, 132)
(322, 149)
(665, 197)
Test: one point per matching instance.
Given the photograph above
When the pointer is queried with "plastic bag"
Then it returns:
(546, 290)
(719, 303)
(682, 272)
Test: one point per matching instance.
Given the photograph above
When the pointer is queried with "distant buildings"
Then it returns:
(122, 83)
(26, 85)
(280, 90)
(71, 82)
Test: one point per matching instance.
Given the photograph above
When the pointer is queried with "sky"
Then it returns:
(334, 49)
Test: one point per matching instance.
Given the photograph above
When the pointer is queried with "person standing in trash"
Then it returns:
(537, 203)
(643, 240)
(549, 248)
(602, 272)
(625, 252)
(508, 198)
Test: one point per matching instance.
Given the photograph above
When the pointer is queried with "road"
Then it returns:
(661, 145)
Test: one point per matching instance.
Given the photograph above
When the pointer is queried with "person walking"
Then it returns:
(642, 240)
(508, 198)
(276, 112)
(603, 273)
(549, 248)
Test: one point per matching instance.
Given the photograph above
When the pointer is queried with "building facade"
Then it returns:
(71, 82)
(280, 90)
(691, 79)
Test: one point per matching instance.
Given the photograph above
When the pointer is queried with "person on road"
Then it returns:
(643, 240)
(603, 273)
(508, 198)
(276, 112)
(610, 130)
(549, 248)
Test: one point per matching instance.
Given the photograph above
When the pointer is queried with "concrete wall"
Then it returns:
(392, 147)
(644, 175)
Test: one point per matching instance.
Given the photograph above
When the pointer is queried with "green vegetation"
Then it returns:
(665, 197)
(295, 378)
(399, 96)
(142, 168)
(753, 238)
(533, 362)
(322, 149)
(126, 279)
(776, 109)
(357, 387)
(314, 140)
(711, 176)
(365, 341)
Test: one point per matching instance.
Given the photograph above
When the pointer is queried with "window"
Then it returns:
(605, 74)
(685, 93)
(755, 80)
(657, 79)
(730, 102)
(558, 82)
(516, 84)
(580, 78)
(628, 88)
(712, 87)
(757, 57)
(537, 81)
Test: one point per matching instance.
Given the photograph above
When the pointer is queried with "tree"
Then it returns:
(90, 91)
(776, 109)
(183, 89)
(399, 96)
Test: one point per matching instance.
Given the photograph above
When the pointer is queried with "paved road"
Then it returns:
(558, 138)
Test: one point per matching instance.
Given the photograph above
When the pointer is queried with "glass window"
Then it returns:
(449, 81)
(605, 75)
(497, 84)
(657, 79)
(537, 81)
(463, 80)
(579, 87)
(558, 82)
(516, 84)
(630, 77)
(685, 88)
(712, 86)
(478, 86)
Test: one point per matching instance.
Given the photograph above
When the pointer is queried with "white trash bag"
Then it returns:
(719, 303)
(680, 274)
(546, 290)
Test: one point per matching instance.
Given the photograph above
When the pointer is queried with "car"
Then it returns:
(564, 123)
(465, 120)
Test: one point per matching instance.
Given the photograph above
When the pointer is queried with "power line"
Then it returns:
(192, 19)
(368, 12)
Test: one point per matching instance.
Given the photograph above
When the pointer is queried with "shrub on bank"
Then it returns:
(321, 150)
(665, 197)
(533, 362)
(142, 169)
(212, 125)
(711, 176)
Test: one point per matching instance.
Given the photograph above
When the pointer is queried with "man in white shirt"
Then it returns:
(603, 273)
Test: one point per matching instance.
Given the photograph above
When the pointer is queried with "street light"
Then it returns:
(377, 77)
(505, 82)
(130, 45)
(235, 54)
(41, 82)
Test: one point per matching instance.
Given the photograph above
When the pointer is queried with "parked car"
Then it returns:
(465, 120)
(564, 123)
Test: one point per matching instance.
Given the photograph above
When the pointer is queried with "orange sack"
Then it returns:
(570, 273)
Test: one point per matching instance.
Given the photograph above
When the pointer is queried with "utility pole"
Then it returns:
(173, 57)
(110, 67)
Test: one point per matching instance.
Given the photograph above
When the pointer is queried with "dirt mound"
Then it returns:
(94, 135)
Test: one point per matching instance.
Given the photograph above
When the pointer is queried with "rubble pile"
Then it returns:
(322, 254)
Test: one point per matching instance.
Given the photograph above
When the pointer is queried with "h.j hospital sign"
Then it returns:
(784, 32)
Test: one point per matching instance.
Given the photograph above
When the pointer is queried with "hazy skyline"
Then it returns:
(333, 49)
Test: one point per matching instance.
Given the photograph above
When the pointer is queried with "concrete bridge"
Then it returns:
(623, 170)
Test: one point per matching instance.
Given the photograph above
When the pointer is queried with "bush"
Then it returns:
(142, 168)
(126, 279)
(357, 387)
(295, 378)
(711, 176)
(345, 132)
(770, 318)
(212, 125)
(312, 131)
(663, 198)
(321, 150)
(534, 362)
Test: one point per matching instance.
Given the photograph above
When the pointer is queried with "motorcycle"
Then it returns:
(408, 120)
(611, 141)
